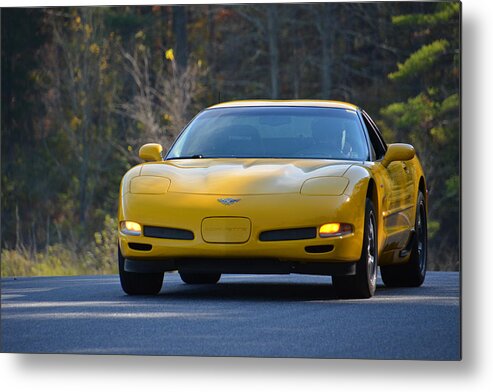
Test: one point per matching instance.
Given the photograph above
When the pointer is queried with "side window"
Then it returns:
(375, 138)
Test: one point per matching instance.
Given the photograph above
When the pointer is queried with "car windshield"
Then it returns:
(273, 132)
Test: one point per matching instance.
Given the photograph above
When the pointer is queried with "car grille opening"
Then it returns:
(319, 248)
(137, 246)
(304, 233)
(168, 233)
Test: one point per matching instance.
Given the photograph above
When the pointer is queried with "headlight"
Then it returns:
(151, 185)
(334, 229)
(324, 186)
(130, 228)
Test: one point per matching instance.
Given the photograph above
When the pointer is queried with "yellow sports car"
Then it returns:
(275, 187)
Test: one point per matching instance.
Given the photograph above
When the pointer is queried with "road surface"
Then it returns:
(243, 315)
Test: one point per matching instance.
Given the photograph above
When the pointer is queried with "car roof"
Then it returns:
(294, 102)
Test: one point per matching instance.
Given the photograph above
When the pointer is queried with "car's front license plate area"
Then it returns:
(223, 230)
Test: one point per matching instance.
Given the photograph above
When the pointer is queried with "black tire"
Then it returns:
(134, 283)
(412, 273)
(364, 283)
(199, 278)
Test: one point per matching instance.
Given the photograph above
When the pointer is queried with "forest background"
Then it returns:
(84, 87)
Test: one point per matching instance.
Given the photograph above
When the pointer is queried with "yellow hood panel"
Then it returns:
(242, 176)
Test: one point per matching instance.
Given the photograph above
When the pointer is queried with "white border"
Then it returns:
(125, 373)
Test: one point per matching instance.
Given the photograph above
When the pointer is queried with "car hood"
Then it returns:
(242, 176)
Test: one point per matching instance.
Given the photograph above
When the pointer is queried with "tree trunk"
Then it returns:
(180, 33)
(17, 228)
(211, 55)
(272, 32)
(326, 35)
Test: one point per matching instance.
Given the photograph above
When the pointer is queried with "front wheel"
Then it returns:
(134, 283)
(364, 283)
(411, 274)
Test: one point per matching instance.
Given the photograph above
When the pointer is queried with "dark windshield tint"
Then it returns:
(273, 132)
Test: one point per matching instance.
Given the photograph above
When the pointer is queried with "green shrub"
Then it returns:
(56, 260)
(102, 257)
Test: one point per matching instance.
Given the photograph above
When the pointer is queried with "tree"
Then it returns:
(430, 120)
(180, 33)
(22, 156)
(79, 87)
(164, 99)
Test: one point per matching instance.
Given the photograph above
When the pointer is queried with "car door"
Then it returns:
(395, 181)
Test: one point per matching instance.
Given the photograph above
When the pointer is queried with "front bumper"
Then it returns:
(240, 266)
(265, 212)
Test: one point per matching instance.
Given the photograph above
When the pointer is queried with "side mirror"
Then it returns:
(151, 152)
(398, 152)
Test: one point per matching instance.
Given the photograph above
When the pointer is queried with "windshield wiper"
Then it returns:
(197, 156)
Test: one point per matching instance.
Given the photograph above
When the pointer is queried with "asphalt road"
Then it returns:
(243, 315)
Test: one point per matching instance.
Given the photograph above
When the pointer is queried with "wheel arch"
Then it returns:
(364, 184)
(372, 193)
(422, 188)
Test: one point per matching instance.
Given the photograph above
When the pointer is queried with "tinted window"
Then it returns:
(273, 132)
